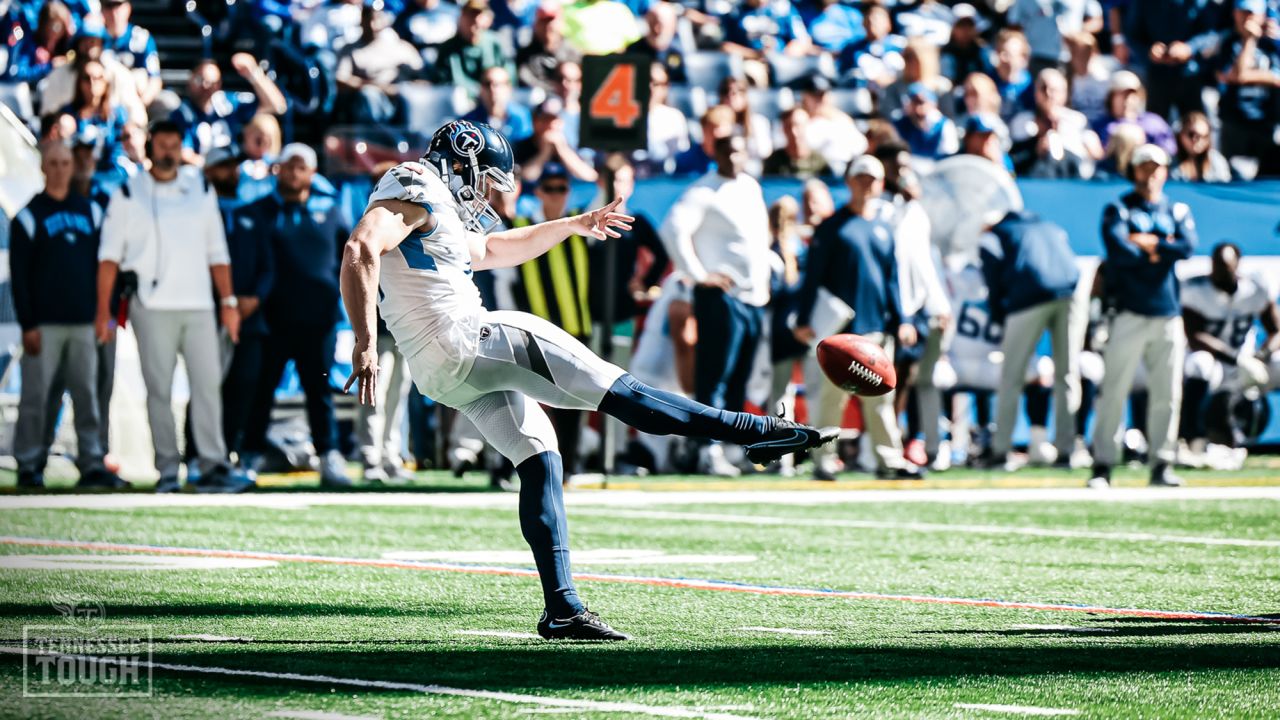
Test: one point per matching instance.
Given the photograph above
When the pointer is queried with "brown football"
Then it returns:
(857, 365)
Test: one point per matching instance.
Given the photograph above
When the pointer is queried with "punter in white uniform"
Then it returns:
(421, 236)
(1220, 312)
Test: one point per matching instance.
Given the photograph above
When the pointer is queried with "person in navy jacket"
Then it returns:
(1144, 235)
(307, 234)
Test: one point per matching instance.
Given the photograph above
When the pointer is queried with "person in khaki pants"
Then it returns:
(1145, 234)
(1031, 278)
(853, 257)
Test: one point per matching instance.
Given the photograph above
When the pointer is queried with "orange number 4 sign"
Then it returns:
(616, 98)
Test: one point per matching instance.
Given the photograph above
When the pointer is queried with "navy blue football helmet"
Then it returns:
(472, 158)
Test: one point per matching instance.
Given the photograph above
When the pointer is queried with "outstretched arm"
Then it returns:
(385, 224)
(512, 247)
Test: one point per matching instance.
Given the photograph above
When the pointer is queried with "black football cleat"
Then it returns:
(788, 437)
(1162, 476)
(586, 625)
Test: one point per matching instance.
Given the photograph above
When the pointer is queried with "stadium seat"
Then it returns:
(692, 101)
(854, 101)
(707, 69)
(430, 106)
(770, 102)
(786, 69)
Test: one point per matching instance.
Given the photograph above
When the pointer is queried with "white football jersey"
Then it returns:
(977, 336)
(1231, 318)
(426, 292)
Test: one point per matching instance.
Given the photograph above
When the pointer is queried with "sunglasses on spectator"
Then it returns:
(555, 189)
(1192, 135)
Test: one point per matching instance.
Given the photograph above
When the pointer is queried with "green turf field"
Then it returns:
(404, 641)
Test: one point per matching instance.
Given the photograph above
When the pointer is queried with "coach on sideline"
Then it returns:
(1031, 276)
(164, 226)
(1144, 235)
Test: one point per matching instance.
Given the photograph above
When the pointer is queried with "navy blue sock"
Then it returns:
(545, 528)
(1038, 397)
(659, 412)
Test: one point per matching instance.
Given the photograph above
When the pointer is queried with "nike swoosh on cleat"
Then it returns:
(556, 626)
(799, 435)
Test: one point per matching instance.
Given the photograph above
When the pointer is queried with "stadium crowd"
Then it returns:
(200, 215)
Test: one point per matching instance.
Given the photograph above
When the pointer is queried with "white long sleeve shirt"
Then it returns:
(170, 234)
(721, 225)
(918, 281)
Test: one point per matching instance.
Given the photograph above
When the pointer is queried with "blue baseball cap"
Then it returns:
(920, 91)
(91, 28)
(553, 171)
(1253, 7)
(981, 123)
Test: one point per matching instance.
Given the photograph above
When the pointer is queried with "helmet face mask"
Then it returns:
(473, 158)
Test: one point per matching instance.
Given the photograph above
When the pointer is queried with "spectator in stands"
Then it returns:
(1249, 70)
(817, 205)
(599, 27)
(1197, 160)
(260, 146)
(95, 115)
(852, 256)
(60, 87)
(795, 158)
(498, 109)
(370, 68)
(757, 28)
(1047, 26)
(171, 216)
(33, 56)
(836, 26)
(1053, 141)
(475, 48)
(252, 276)
(132, 47)
(831, 131)
(129, 161)
(716, 123)
(427, 23)
(547, 49)
(981, 97)
(668, 127)
(1013, 81)
(752, 126)
(57, 126)
(718, 236)
(1124, 141)
(1090, 76)
(332, 25)
(548, 144)
(568, 87)
(1172, 39)
(1031, 276)
(210, 117)
(306, 234)
(659, 41)
(966, 52)
(876, 58)
(1145, 235)
(53, 249)
(982, 138)
(1126, 106)
(920, 65)
(928, 132)
(928, 20)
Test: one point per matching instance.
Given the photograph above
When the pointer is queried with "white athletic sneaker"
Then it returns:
(465, 456)
(1040, 451)
(942, 458)
(1191, 455)
(713, 462)
(1080, 456)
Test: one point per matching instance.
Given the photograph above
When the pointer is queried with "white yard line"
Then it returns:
(318, 715)
(1017, 709)
(745, 519)
(633, 498)
(506, 697)
(783, 631)
(499, 634)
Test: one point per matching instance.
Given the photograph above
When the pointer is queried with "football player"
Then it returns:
(1220, 311)
(422, 235)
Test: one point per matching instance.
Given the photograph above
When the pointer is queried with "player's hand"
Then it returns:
(1159, 53)
(717, 280)
(1179, 52)
(102, 329)
(245, 64)
(364, 373)
(603, 223)
(1253, 371)
(907, 335)
(230, 318)
(805, 335)
(31, 342)
(247, 304)
(944, 322)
